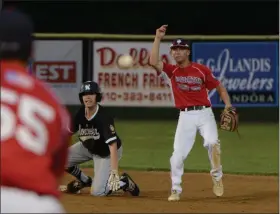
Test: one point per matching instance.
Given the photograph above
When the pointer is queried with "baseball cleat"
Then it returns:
(75, 186)
(63, 188)
(218, 187)
(175, 196)
(130, 186)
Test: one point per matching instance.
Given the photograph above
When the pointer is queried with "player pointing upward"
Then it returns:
(190, 83)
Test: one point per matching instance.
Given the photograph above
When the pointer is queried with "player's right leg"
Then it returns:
(14, 200)
(183, 143)
(77, 154)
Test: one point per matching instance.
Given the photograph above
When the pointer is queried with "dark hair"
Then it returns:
(22, 54)
(16, 38)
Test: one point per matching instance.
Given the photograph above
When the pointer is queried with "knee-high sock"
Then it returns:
(76, 172)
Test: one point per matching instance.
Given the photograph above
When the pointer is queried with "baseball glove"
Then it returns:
(229, 120)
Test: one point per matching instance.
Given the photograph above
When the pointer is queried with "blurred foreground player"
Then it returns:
(34, 137)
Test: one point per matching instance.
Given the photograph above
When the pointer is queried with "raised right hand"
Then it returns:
(160, 33)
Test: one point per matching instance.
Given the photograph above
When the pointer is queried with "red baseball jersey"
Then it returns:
(190, 85)
(34, 136)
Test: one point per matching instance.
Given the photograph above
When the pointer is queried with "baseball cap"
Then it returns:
(16, 31)
(179, 43)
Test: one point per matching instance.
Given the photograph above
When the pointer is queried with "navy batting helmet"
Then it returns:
(90, 87)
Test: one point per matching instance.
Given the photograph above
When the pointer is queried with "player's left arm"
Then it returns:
(212, 82)
(224, 95)
(110, 136)
(114, 156)
(114, 179)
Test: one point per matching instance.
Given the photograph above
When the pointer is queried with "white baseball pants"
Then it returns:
(188, 124)
(14, 200)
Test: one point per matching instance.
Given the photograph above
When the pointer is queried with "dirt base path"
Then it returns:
(243, 194)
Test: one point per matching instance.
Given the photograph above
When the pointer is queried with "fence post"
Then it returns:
(87, 60)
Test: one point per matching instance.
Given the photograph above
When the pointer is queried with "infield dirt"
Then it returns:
(243, 194)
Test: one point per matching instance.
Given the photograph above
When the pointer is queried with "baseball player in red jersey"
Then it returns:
(190, 83)
(34, 136)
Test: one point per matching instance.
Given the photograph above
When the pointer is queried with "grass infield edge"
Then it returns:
(150, 169)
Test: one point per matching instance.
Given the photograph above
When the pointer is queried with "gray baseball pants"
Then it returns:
(78, 154)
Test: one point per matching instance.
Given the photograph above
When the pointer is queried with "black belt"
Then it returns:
(191, 108)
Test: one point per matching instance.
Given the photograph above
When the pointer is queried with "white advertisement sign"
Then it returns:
(59, 63)
(138, 86)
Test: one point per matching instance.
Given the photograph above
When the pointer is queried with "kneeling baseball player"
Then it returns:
(98, 141)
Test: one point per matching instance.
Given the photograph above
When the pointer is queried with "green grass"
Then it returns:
(148, 146)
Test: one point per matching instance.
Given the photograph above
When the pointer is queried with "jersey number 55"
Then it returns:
(24, 118)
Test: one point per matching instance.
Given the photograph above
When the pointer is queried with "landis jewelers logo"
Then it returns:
(247, 70)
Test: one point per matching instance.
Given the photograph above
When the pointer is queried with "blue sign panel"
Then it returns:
(249, 71)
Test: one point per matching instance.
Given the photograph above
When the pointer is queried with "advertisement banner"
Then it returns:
(59, 63)
(249, 71)
(138, 86)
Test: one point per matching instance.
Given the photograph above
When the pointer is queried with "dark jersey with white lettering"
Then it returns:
(96, 133)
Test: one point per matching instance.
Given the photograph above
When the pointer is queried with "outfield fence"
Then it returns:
(247, 65)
